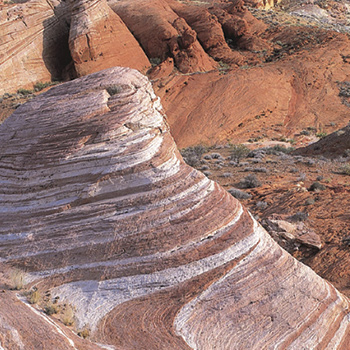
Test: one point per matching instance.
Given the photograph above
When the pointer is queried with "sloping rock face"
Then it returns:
(22, 327)
(296, 90)
(99, 39)
(34, 43)
(98, 204)
(335, 144)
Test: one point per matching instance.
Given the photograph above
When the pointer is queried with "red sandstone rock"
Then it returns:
(162, 70)
(241, 27)
(209, 32)
(282, 97)
(162, 33)
(288, 234)
(99, 39)
(104, 213)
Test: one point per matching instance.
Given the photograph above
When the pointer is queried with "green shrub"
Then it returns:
(223, 66)
(321, 134)
(84, 333)
(239, 152)
(24, 92)
(155, 61)
(261, 205)
(235, 192)
(41, 86)
(310, 201)
(279, 148)
(250, 181)
(192, 155)
(316, 186)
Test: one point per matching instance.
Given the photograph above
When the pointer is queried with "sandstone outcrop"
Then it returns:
(34, 43)
(99, 39)
(209, 32)
(241, 27)
(333, 145)
(291, 235)
(99, 207)
(291, 92)
(162, 34)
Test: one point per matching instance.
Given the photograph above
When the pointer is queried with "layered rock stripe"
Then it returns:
(98, 206)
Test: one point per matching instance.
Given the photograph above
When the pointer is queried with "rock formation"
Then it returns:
(99, 207)
(297, 89)
(333, 145)
(99, 39)
(34, 44)
(209, 32)
(162, 33)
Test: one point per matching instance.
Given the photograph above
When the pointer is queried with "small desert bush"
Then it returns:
(41, 86)
(17, 279)
(235, 192)
(216, 156)
(310, 201)
(114, 89)
(255, 170)
(239, 152)
(321, 134)
(278, 149)
(192, 155)
(299, 216)
(24, 92)
(261, 205)
(34, 297)
(345, 169)
(250, 181)
(51, 309)
(84, 333)
(67, 316)
(155, 61)
(316, 186)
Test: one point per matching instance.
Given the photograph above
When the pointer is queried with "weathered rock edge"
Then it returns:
(97, 203)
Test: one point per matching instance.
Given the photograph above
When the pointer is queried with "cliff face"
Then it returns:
(99, 207)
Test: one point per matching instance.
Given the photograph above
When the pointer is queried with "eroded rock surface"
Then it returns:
(294, 91)
(34, 43)
(99, 39)
(290, 235)
(162, 33)
(98, 204)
